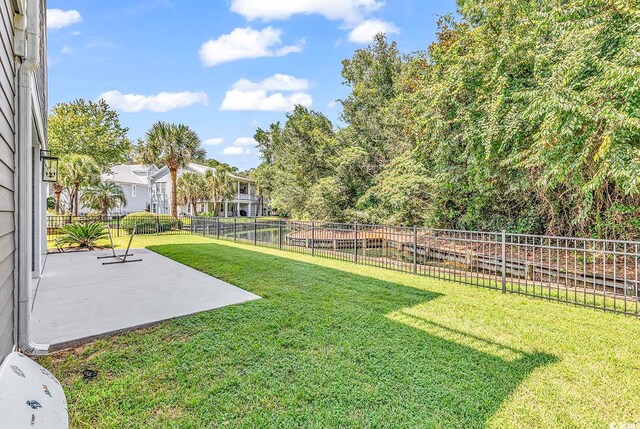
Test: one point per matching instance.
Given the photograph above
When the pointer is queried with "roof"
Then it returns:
(200, 169)
(126, 173)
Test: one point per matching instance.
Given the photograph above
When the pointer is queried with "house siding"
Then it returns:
(139, 202)
(7, 179)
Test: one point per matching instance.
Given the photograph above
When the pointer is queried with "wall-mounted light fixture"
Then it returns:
(49, 166)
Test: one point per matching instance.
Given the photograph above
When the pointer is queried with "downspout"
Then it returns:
(28, 61)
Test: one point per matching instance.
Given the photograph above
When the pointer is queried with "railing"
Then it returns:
(602, 274)
(245, 197)
(122, 225)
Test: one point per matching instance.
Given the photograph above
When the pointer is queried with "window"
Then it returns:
(133, 191)
(161, 187)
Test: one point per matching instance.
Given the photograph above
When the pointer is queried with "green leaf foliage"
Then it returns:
(88, 128)
(81, 235)
(519, 116)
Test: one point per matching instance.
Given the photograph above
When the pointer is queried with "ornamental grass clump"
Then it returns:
(81, 235)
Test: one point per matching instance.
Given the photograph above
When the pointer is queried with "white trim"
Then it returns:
(24, 164)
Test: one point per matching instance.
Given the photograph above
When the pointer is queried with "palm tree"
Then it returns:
(174, 146)
(104, 196)
(191, 189)
(57, 188)
(260, 190)
(262, 177)
(219, 185)
(77, 171)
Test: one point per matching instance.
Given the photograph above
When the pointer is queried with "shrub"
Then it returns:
(149, 223)
(82, 235)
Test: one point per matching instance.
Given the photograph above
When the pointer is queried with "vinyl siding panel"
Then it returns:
(6, 317)
(7, 179)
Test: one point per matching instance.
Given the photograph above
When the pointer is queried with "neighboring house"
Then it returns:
(23, 134)
(134, 181)
(245, 202)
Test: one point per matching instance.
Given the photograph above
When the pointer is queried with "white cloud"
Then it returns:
(66, 49)
(260, 101)
(364, 32)
(235, 150)
(240, 146)
(349, 11)
(277, 82)
(161, 102)
(213, 142)
(332, 104)
(259, 96)
(246, 43)
(245, 141)
(58, 18)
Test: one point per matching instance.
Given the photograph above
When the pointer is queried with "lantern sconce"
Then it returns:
(49, 166)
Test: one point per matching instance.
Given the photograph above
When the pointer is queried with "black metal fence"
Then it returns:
(602, 274)
(123, 225)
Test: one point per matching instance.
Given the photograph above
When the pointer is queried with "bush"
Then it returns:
(82, 235)
(149, 223)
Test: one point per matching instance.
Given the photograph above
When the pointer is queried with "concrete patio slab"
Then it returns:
(79, 299)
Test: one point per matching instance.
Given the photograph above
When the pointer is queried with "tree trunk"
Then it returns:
(174, 184)
(194, 209)
(215, 207)
(73, 197)
(57, 194)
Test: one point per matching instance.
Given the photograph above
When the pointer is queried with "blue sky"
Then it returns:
(223, 67)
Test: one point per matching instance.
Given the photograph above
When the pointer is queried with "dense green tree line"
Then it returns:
(523, 114)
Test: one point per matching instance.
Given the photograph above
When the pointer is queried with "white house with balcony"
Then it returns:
(246, 201)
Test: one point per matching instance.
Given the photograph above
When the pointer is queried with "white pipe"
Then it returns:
(28, 64)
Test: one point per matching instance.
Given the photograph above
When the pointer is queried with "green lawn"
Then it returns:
(334, 344)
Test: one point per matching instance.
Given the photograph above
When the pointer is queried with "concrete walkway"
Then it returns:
(79, 299)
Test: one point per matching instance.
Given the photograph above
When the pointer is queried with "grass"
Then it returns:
(333, 344)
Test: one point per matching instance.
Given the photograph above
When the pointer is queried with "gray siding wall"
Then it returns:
(7, 166)
(137, 203)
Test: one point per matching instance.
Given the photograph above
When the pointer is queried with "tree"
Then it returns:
(219, 186)
(77, 172)
(516, 117)
(192, 188)
(88, 128)
(263, 175)
(374, 75)
(104, 196)
(173, 146)
(57, 188)
(210, 162)
(299, 154)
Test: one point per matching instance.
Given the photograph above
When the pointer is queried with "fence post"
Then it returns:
(118, 225)
(313, 238)
(355, 242)
(235, 228)
(204, 225)
(415, 250)
(280, 234)
(255, 231)
(217, 228)
(504, 261)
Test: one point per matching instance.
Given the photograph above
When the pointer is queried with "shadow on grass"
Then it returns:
(326, 348)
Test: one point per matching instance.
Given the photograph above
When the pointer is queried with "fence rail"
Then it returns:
(602, 274)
